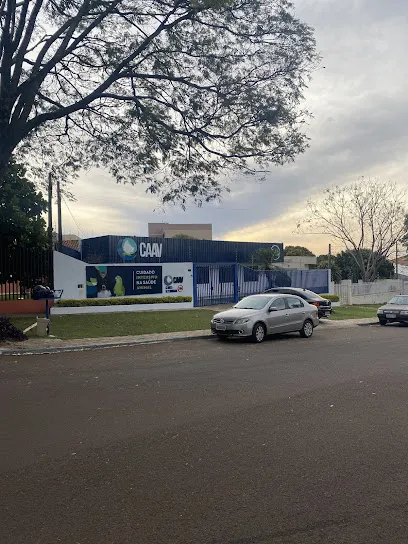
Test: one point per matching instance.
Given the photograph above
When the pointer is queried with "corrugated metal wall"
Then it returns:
(104, 249)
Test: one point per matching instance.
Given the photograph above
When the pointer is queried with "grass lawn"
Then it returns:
(355, 312)
(68, 327)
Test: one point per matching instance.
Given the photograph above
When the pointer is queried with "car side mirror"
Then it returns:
(273, 309)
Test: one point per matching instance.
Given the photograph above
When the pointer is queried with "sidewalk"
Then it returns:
(347, 323)
(54, 345)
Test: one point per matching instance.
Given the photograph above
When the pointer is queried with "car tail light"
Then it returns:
(315, 304)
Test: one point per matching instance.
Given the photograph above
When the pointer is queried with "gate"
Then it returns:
(21, 269)
(215, 284)
(252, 282)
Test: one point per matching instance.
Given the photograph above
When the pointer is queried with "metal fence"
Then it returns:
(227, 283)
(22, 269)
(215, 284)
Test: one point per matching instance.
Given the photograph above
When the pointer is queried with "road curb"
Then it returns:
(88, 347)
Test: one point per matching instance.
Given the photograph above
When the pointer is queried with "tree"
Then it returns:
(323, 264)
(346, 263)
(404, 238)
(167, 93)
(21, 209)
(264, 258)
(365, 216)
(298, 251)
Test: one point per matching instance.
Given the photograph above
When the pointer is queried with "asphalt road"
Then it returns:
(292, 441)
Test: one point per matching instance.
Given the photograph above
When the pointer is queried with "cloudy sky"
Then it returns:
(360, 107)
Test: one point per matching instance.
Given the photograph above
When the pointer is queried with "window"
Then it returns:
(255, 302)
(294, 303)
(401, 300)
(279, 304)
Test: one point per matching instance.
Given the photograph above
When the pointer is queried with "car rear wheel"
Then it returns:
(307, 330)
(258, 333)
(383, 322)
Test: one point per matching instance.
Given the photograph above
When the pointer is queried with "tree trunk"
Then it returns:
(5, 156)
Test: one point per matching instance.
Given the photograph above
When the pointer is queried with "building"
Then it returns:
(138, 249)
(71, 241)
(298, 263)
(176, 230)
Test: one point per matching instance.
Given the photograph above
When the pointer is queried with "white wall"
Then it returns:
(297, 263)
(377, 292)
(69, 274)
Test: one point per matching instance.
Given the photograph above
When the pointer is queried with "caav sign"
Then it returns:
(147, 249)
(128, 249)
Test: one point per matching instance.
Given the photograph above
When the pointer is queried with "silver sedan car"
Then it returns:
(257, 316)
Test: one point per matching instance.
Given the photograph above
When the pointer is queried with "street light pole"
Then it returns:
(50, 240)
(59, 216)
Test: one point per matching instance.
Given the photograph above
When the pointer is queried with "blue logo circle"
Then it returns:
(127, 249)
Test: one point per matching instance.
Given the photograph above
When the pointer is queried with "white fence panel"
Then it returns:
(377, 292)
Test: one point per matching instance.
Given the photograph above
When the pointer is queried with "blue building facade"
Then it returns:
(137, 249)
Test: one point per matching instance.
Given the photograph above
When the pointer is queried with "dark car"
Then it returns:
(322, 304)
(396, 311)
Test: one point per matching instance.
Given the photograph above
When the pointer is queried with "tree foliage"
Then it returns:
(367, 217)
(21, 209)
(346, 262)
(264, 259)
(404, 238)
(298, 251)
(170, 93)
(323, 264)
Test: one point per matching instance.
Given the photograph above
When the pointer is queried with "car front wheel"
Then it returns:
(258, 333)
(307, 330)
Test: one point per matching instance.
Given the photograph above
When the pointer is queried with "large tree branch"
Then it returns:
(114, 76)
(22, 48)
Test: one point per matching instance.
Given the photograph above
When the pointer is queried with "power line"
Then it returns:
(80, 230)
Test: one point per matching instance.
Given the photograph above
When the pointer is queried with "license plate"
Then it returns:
(391, 316)
(221, 327)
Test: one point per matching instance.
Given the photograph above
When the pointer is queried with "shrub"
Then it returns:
(120, 301)
(9, 332)
(332, 298)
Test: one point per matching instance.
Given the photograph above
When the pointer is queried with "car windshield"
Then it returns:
(253, 303)
(399, 300)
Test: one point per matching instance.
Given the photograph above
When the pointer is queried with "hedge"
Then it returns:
(120, 301)
(332, 298)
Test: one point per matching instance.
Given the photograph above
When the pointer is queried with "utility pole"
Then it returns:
(50, 237)
(329, 257)
(396, 259)
(59, 216)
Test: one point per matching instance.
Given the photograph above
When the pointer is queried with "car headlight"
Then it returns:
(242, 321)
(380, 311)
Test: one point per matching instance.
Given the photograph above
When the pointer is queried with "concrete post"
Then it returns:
(43, 325)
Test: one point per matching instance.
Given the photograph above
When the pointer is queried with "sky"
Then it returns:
(359, 103)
